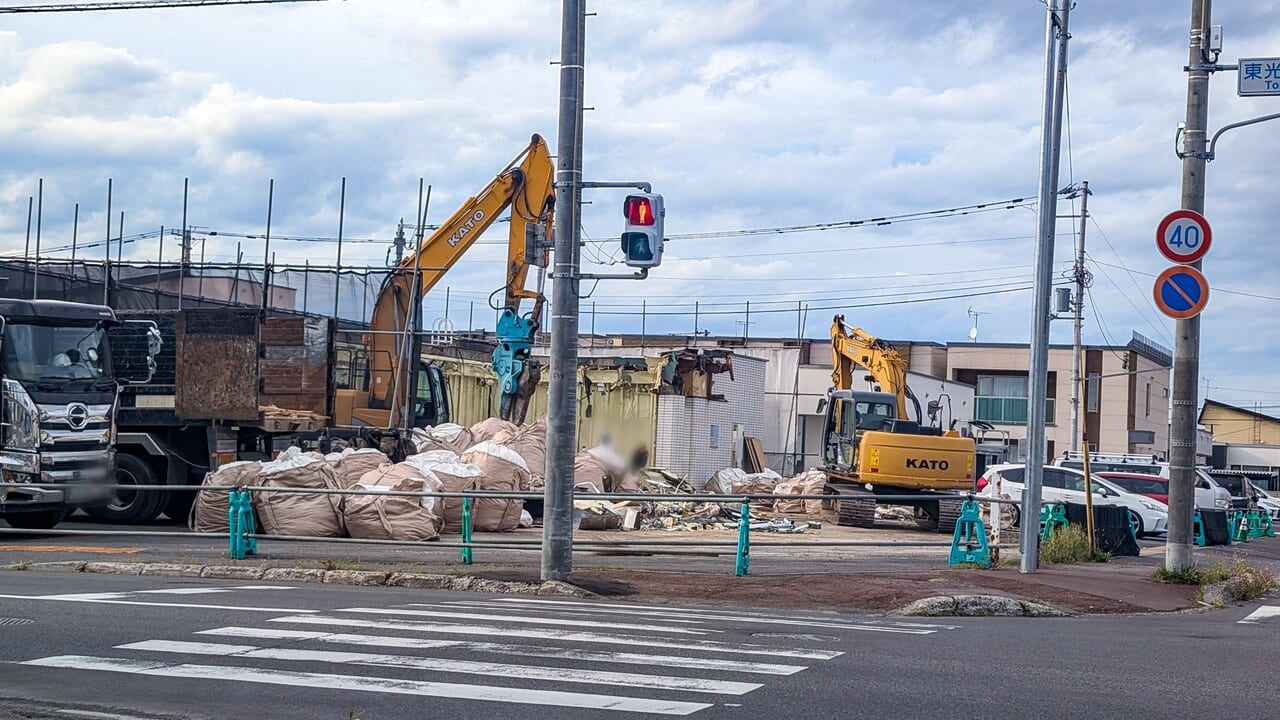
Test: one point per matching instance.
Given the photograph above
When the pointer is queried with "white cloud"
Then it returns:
(744, 114)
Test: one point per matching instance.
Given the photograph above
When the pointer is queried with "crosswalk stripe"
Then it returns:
(470, 667)
(489, 605)
(107, 599)
(184, 591)
(373, 684)
(389, 641)
(562, 636)
(550, 605)
(523, 619)
(736, 615)
(1261, 613)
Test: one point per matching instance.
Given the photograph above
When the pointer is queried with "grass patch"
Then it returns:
(1236, 581)
(1070, 545)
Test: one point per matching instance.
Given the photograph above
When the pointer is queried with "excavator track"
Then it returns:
(948, 515)
(857, 507)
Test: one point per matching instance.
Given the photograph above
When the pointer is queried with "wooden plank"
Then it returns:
(753, 455)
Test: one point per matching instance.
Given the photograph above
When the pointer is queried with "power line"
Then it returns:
(868, 222)
(133, 5)
(1215, 288)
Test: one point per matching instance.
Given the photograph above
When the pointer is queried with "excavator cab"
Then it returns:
(430, 397)
(849, 414)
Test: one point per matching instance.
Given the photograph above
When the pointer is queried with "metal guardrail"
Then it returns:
(968, 545)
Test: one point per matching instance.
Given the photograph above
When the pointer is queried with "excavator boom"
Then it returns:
(852, 346)
(526, 187)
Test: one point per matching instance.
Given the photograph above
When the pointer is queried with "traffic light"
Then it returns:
(642, 236)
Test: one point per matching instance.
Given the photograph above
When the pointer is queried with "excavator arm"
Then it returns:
(525, 186)
(852, 346)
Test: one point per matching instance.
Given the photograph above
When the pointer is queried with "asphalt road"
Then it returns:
(77, 646)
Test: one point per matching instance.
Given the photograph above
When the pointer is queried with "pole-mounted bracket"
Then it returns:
(1209, 67)
(1211, 153)
(641, 275)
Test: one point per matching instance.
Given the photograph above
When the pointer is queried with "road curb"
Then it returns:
(361, 578)
(978, 606)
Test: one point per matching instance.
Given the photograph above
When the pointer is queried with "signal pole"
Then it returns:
(1186, 348)
(562, 392)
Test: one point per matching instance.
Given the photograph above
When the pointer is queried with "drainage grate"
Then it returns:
(14, 621)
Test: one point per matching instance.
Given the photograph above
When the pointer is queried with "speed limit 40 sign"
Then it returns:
(1184, 236)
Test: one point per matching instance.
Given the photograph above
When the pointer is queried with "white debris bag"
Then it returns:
(808, 483)
(454, 476)
(736, 481)
(381, 516)
(495, 429)
(446, 436)
(306, 514)
(209, 511)
(503, 470)
(530, 443)
(352, 464)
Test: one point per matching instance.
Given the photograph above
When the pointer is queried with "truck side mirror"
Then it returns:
(822, 405)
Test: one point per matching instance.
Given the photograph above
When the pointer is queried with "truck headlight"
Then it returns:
(21, 418)
(1221, 503)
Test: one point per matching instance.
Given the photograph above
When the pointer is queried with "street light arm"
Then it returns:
(1213, 144)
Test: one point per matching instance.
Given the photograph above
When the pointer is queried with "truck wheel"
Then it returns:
(41, 520)
(131, 506)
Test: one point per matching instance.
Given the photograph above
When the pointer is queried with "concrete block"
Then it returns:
(419, 580)
(172, 569)
(111, 568)
(294, 574)
(355, 577)
(232, 572)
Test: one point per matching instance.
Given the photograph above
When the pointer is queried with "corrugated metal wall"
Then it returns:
(614, 403)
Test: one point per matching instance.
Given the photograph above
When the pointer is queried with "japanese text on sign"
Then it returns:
(1259, 76)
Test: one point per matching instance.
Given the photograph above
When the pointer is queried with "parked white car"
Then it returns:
(1267, 501)
(1210, 495)
(1066, 485)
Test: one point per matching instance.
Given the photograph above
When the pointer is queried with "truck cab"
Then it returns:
(58, 393)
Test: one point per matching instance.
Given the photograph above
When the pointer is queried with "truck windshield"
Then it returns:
(55, 353)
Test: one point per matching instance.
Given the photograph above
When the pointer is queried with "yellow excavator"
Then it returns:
(400, 393)
(872, 448)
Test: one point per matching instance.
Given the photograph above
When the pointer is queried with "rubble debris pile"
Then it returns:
(447, 436)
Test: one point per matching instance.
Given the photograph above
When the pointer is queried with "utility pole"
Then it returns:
(1056, 38)
(562, 392)
(1186, 348)
(1077, 364)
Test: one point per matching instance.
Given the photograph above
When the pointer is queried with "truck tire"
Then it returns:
(132, 506)
(40, 520)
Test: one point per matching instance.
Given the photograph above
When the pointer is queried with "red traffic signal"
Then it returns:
(638, 210)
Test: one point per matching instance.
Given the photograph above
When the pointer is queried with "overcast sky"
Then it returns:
(744, 114)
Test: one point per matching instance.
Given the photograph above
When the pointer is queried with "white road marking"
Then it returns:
(1261, 613)
(469, 667)
(901, 628)
(184, 591)
(562, 636)
(725, 614)
(263, 587)
(489, 605)
(98, 715)
(522, 619)
(108, 601)
(372, 684)
(390, 641)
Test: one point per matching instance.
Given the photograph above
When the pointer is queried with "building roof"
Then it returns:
(1233, 408)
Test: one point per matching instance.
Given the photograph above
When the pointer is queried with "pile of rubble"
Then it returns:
(492, 455)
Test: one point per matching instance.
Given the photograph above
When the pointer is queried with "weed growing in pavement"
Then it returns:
(1070, 545)
(20, 566)
(342, 565)
(1190, 575)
